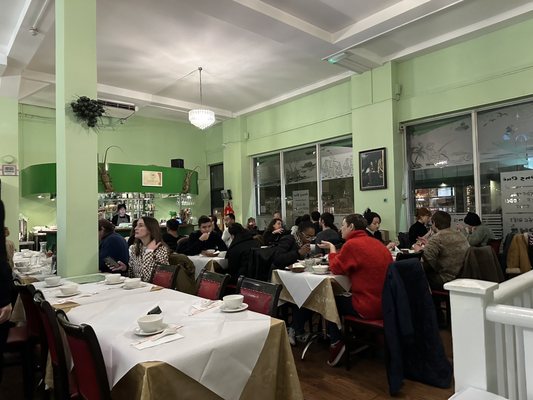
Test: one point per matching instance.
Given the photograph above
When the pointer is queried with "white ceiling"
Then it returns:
(254, 53)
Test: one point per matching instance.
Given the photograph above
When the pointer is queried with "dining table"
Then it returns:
(212, 354)
(313, 291)
(216, 263)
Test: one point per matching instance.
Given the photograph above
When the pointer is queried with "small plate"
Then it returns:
(320, 273)
(243, 307)
(136, 287)
(68, 295)
(139, 332)
(56, 285)
(121, 280)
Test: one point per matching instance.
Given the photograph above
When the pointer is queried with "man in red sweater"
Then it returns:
(365, 261)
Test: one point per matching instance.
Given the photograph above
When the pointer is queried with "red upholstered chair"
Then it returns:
(65, 385)
(212, 285)
(165, 276)
(89, 366)
(355, 341)
(261, 297)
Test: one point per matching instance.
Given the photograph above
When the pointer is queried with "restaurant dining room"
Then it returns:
(279, 200)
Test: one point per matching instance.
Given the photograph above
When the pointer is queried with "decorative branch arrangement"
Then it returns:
(87, 111)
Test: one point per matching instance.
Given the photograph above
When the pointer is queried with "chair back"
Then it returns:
(212, 285)
(56, 347)
(185, 279)
(165, 276)
(182, 244)
(260, 263)
(482, 263)
(495, 244)
(403, 239)
(261, 297)
(89, 366)
(404, 256)
(33, 320)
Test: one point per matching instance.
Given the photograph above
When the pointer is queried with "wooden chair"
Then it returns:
(20, 343)
(165, 276)
(212, 285)
(89, 367)
(261, 297)
(65, 385)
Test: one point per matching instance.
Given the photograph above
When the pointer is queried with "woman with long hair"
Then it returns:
(273, 232)
(146, 252)
(216, 228)
(419, 230)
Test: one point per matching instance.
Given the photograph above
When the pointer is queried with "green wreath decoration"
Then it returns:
(87, 110)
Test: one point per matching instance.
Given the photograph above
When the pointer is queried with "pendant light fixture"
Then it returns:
(201, 117)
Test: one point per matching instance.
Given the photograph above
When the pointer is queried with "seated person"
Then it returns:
(229, 219)
(251, 225)
(111, 245)
(444, 252)
(273, 232)
(171, 236)
(419, 231)
(147, 252)
(373, 221)
(238, 254)
(289, 250)
(329, 231)
(204, 238)
(315, 218)
(476, 233)
(10, 248)
(216, 228)
(365, 261)
(121, 216)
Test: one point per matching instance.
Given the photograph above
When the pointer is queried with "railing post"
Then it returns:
(474, 356)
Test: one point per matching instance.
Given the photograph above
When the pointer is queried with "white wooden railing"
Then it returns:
(492, 333)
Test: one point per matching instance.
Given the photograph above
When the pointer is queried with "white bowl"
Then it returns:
(150, 323)
(25, 268)
(113, 278)
(321, 269)
(52, 280)
(71, 288)
(233, 301)
(131, 283)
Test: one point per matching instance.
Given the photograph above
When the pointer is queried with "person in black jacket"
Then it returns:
(121, 216)
(171, 236)
(6, 283)
(111, 245)
(204, 238)
(238, 254)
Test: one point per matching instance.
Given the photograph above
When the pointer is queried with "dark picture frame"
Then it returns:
(373, 169)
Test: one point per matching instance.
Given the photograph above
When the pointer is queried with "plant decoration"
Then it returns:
(104, 172)
(187, 180)
(87, 110)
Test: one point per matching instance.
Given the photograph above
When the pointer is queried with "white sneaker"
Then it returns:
(303, 337)
(292, 336)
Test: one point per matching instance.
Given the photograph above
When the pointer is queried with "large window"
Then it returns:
(444, 173)
(298, 185)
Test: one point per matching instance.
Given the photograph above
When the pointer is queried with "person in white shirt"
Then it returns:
(229, 219)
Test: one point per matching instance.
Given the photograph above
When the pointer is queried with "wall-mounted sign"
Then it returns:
(517, 201)
(300, 202)
(152, 178)
(9, 170)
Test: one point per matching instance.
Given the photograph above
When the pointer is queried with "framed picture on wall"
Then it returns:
(152, 178)
(372, 167)
(9, 170)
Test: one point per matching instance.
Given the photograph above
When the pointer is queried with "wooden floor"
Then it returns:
(366, 379)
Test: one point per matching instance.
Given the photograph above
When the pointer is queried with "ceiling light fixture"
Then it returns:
(201, 117)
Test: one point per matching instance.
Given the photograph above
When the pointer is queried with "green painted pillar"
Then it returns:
(9, 153)
(76, 146)
(235, 159)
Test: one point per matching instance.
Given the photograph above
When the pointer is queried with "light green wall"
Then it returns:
(489, 69)
(141, 141)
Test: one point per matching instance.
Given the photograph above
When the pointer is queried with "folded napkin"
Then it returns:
(161, 338)
(204, 305)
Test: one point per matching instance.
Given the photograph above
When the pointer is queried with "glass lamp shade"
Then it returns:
(202, 118)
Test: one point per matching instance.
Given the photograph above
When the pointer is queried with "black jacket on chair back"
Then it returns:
(238, 254)
(411, 330)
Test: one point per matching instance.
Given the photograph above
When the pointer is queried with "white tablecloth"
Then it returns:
(200, 262)
(301, 285)
(219, 350)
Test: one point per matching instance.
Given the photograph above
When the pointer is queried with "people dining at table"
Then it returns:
(329, 232)
(373, 221)
(365, 261)
(120, 217)
(477, 233)
(444, 252)
(273, 232)
(251, 225)
(215, 226)
(315, 219)
(147, 251)
(171, 236)
(204, 238)
(419, 230)
(238, 254)
(229, 219)
(111, 245)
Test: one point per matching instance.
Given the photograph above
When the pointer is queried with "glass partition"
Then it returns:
(267, 188)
